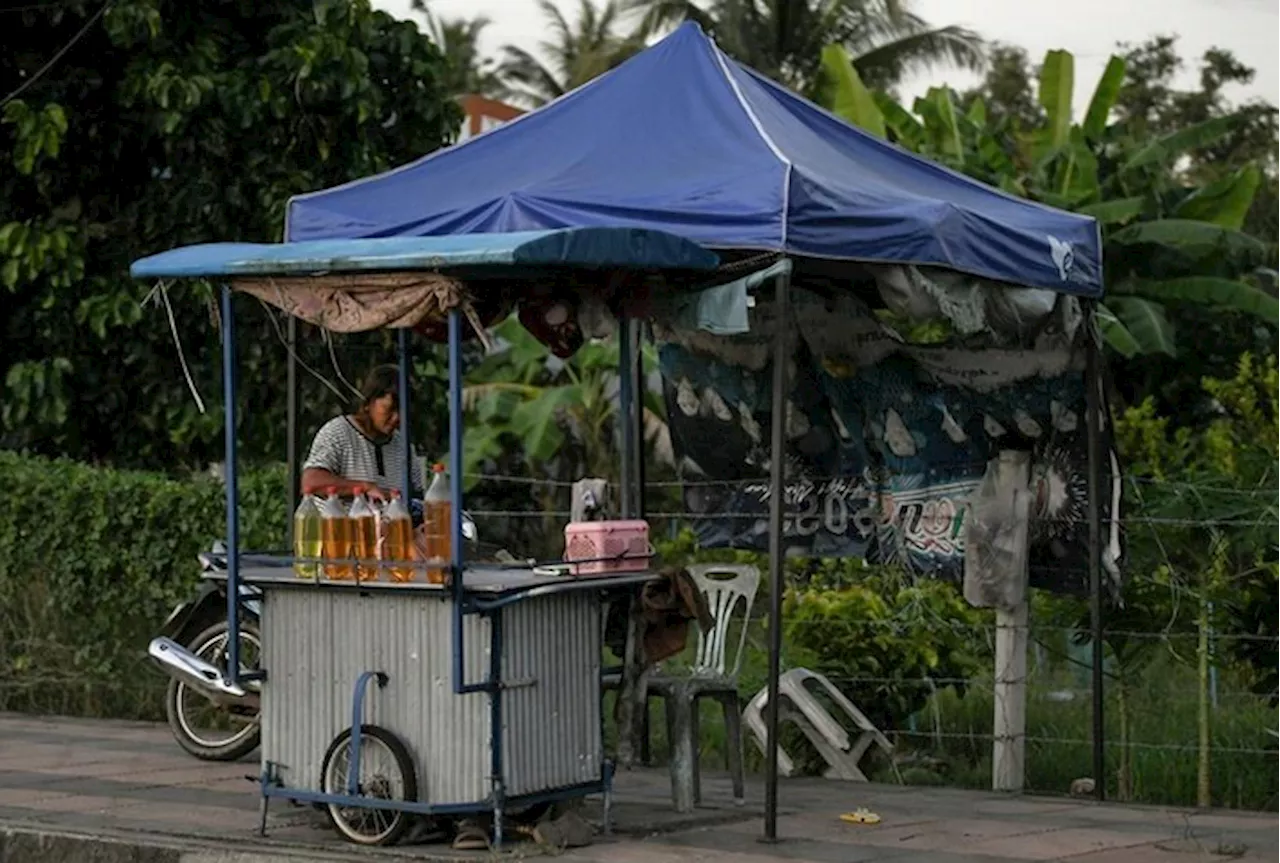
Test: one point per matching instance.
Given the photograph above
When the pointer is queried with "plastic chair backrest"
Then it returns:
(725, 586)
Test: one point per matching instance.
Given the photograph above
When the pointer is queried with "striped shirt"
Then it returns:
(342, 449)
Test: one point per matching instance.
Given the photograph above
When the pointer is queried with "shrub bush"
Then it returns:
(885, 639)
(888, 641)
(93, 559)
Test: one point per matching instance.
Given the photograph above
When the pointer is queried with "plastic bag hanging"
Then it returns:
(996, 533)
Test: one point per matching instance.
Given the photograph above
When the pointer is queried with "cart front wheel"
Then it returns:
(386, 773)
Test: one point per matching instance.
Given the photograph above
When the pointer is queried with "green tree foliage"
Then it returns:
(783, 39)
(1150, 105)
(1006, 91)
(577, 53)
(466, 70)
(1181, 273)
(167, 124)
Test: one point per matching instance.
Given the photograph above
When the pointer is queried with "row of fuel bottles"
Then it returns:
(372, 540)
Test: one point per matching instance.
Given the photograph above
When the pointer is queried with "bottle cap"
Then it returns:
(437, 468)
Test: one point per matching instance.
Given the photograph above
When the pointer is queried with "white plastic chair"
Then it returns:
(730, 591)
(827, 734)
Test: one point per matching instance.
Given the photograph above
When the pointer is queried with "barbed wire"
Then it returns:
(950, 471)
(985, 737)
(682, 515)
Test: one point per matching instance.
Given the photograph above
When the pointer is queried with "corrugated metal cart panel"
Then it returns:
(551, 716)
(317, 642)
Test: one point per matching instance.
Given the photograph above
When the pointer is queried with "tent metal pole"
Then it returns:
(777, 503)
(626, 401)
(406, 432)
(233, 494)
(291, 423)
(638, 372)
(1093, 424)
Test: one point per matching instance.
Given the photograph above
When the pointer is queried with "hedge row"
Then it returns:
(91, 561)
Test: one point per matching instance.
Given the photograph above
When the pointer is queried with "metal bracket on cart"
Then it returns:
(606, 775)
(357, 719)
(270, 778)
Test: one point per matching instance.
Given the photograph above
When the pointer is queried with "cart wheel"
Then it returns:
(386, 772)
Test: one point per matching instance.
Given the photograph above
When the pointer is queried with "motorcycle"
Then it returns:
(211, 717)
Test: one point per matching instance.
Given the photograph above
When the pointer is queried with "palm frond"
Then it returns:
(660, 16)
(918, 51)
(559, 24)
(525, 77)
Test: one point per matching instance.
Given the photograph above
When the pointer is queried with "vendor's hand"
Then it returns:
(378, 494)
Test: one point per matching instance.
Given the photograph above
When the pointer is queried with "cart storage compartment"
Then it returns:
(318, 641)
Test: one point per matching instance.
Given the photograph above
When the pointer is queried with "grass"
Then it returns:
(949, 742)
(1164, 711)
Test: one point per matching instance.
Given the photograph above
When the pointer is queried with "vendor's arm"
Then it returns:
(323, 468)
(315, 480)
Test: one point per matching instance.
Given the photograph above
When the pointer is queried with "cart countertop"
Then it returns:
(489, 581)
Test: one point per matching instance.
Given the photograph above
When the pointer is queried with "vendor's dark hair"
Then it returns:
(380, 381)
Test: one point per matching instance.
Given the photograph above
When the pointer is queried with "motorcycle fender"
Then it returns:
(208, 604)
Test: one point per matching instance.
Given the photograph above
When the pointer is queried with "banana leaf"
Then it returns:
(1166, 149)
(906, 128)
(1225, 202)
(1115, 212)
(1104, 99)
(1196, 239)
(1207, 291)
(1116, 334)
(850, 98)
(1057, 83)
(1146, 322)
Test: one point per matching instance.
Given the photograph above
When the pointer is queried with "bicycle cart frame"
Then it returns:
(474, 593)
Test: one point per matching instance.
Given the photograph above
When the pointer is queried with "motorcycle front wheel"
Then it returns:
(206, 730)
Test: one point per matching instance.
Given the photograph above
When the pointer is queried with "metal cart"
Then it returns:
(382, 701)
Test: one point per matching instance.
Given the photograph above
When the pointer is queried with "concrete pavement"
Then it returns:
(118, 792)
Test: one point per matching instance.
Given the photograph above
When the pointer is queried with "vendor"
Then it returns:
(363, 449)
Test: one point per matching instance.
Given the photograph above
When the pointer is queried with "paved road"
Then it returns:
(128, 782)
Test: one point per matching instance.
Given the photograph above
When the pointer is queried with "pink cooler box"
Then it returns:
(607, 547)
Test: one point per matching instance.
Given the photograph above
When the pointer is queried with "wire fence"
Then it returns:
(1180, 678)
(940, 710)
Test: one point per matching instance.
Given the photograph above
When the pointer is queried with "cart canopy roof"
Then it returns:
(595, 248)
(682, 139)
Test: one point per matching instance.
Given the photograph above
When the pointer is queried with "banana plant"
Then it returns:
(1163, 242)
(562, 415)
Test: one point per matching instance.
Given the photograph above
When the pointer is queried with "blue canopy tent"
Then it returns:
(684, 140)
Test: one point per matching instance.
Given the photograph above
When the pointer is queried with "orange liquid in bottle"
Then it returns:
(398, 546)
(336, 539)
(365, 543)
(438, 517)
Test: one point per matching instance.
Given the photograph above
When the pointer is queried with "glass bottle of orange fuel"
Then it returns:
(364, 537)
(335, 537)
(437, 505)
(397, 539)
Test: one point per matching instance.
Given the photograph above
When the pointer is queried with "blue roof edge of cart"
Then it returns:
(587, 248)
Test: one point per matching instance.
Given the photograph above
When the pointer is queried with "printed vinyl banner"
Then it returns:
(885, 441)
